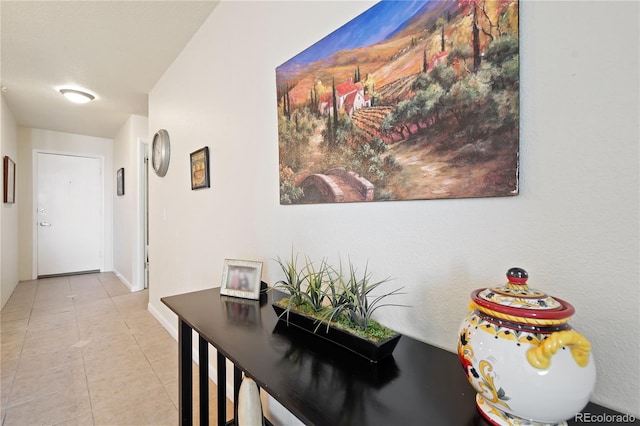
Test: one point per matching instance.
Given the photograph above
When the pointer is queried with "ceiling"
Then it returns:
(116, 50)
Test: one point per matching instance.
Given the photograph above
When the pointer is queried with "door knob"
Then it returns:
(45, 224)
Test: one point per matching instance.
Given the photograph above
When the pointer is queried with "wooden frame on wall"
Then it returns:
(9, 180)
(120, 181)
(200, 168)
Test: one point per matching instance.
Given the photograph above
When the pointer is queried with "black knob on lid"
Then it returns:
(517, 275)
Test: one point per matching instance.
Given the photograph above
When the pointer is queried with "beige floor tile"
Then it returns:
(171, 387)
(160, 349)
(122, 362)
(166, 368)
(56, 341)
(50, 409)
(115, 288)
(6, 383)
(53, 289)
(88, 286)
(122, 385)
(83, 420)
(11, 351)
(51, 321)
(45, 307)
(23, 308)
(84, 280)
(84, 350)
(11, 343)
(108, 346)
(131, 302)
(172, 390)
(9, 368)
(37, 364)
(20, 324)
(25, 291)
(37, 335)
(141, 319)
(12, 336)
(108, 277)
(11, 316)
(149, 333)
(69, 378)
(139, 410)
(99, 308)
(102, 327)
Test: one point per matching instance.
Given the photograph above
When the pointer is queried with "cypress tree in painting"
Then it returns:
(425, 66)
(475, 30)
(329, 132)
(288, 102)
(335, 111)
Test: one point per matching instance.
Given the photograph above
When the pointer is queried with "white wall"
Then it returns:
(30, 140)
(574, 226)
(126, 146)
(8, 212)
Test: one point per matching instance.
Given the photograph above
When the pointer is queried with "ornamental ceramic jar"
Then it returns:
(527, 365)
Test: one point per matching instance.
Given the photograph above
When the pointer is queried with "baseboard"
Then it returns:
(122, 279)
(171, 328)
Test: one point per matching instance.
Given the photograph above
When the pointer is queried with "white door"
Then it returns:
(69, 215)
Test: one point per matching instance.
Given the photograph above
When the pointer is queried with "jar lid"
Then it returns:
(516, 299)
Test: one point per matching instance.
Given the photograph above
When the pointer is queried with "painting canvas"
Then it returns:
(411, 100)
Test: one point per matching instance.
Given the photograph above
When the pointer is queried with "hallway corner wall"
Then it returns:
(125, 207)
(9, 217)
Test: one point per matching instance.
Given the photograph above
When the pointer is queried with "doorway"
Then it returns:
(141, 255)
(69, 214)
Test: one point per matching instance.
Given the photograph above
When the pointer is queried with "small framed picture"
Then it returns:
(120, 181)
(200, 168)
(241, 278)
(9, 180)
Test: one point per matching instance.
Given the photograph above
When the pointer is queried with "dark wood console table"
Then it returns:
(320, 384)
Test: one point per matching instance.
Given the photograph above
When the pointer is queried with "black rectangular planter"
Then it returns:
(372, 351)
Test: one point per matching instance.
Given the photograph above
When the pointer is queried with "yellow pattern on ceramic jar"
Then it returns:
(526, 363)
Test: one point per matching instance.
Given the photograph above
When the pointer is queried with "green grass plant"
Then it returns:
(341, 298)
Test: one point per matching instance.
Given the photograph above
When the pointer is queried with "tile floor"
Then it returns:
(83, 350)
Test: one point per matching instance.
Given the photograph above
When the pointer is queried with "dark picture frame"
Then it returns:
(120, 181)
(241, 278)
(9, 180)
(200, 168)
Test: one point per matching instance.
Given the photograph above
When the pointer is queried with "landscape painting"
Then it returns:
(411, 100)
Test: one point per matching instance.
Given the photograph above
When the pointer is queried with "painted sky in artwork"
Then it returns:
(371, 27)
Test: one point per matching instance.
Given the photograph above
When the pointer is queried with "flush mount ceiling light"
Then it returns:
(77, 96)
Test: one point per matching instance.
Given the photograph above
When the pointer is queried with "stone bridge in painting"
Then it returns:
(336, 186)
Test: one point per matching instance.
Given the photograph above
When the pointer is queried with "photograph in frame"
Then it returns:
(241, 278)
